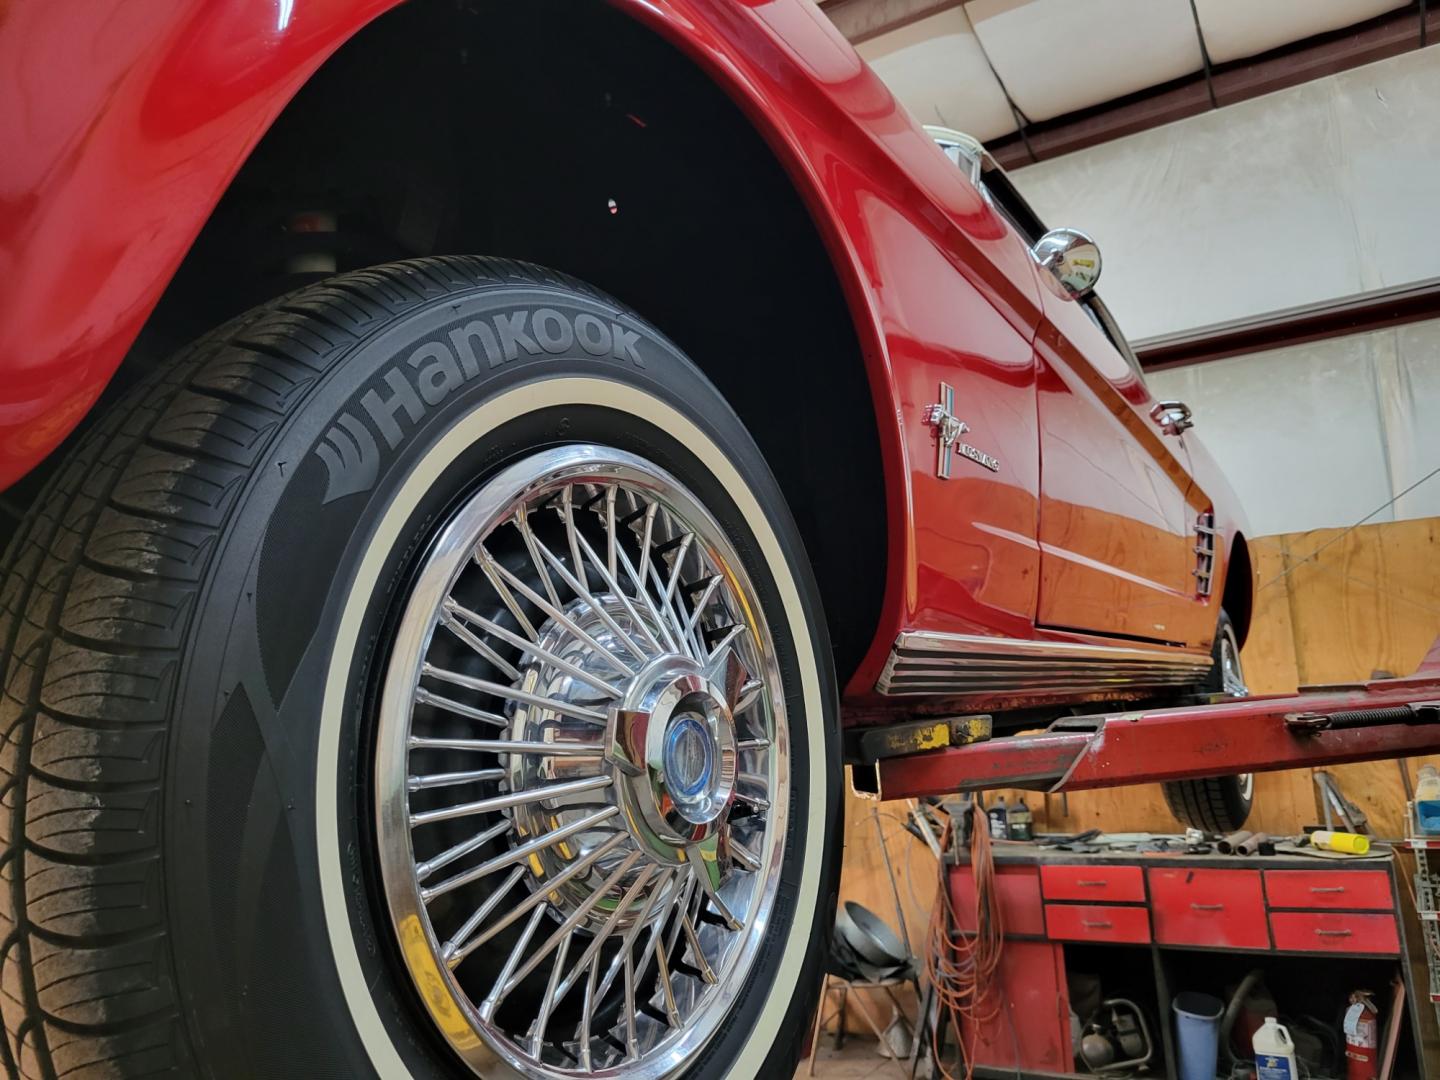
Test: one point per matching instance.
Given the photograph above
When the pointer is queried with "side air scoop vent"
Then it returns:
(958, 664)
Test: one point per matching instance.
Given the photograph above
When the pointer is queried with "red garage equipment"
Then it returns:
(1319, 725)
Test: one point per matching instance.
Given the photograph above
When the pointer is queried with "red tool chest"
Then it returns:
(1197, 906)
(1152, 906)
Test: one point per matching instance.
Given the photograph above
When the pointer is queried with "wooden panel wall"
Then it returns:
(1332, 606)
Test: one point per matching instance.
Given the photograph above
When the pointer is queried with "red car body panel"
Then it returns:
(123, 131)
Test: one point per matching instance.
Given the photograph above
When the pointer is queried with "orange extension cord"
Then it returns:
(961, 968)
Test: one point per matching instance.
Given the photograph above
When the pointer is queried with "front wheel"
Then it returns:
(421, 676)
(1217, 804)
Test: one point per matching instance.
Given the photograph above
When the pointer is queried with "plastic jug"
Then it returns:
(1274, 1052)
(1427, 800)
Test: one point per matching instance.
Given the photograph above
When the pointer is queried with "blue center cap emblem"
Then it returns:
(689, 758)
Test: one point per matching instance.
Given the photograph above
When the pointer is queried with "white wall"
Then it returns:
(1313, 193)
(1320, 435)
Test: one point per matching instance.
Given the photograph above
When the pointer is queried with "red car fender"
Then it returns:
(124, 132)
(123, 124)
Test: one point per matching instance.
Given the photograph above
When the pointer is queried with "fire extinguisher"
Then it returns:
(1361, 1037)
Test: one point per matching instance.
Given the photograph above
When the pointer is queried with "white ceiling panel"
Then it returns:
(1056, 56)
(1238, 28)
(937, 69)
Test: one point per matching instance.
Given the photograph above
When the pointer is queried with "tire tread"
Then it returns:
(97, 591)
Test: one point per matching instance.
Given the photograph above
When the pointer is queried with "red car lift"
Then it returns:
(1319, 725)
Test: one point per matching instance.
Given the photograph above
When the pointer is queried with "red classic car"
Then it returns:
(469, 461)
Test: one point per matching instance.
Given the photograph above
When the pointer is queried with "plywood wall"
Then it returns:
(1332, 606)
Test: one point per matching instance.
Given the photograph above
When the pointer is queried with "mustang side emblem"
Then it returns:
(947, 435)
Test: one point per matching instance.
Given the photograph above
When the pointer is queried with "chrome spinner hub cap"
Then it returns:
(580, 740)
(672, 745)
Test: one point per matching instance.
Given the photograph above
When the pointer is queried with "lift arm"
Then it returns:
(1322, 725)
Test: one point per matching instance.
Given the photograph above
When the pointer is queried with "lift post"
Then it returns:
(1317, 726)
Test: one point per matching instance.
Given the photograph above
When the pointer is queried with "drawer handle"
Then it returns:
(1096, 925)
(1327, 888)
(1334, 933)
(1093, 884)
(1207, 907)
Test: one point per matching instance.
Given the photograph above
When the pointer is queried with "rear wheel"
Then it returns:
(1217, 804)
(422, 676)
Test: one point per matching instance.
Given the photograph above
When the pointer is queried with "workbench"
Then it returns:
(1152, 925)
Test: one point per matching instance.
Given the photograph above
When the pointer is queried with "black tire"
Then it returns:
(169, 611)
(1213, 804)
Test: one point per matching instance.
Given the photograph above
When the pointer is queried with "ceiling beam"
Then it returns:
(1359, 314)
(861, 20)
(1387, 35)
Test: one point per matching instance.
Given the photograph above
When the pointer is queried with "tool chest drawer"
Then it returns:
(1326, 931)
(1217, 908)
(1098, 922)
(1018, 890)
(1346, 890)
(1122, 884)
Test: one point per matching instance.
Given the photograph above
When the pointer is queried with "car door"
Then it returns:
(1118, 513)
(1118, 509)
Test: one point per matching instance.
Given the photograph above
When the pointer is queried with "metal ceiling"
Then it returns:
(989, 67)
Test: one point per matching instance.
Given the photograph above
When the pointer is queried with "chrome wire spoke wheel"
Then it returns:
(581, 772)
(1232, 675)
(1232, 683)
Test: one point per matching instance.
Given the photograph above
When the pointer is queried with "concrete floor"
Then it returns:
(856, 1061)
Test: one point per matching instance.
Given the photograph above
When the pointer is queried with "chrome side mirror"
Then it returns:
(1174, 417)
(1072, 257)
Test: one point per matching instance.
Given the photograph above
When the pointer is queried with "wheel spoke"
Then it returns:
(703, 965)
(427, 781)
(632, 1043)
(647, 539)
(513, 693)
(609, 580)
(510, 746)
(582, 590)
(726, 668)
(522, 522)
(567, 514)
(743, 855)
(513, 798)
(534, 648)
(587, 1010)
(493, 571)
(487, 1007)
(547, 1003)
(522, 853)
(668, 595)
(642, 922)
(479, 915)
(705, 861)
(464, 948)
(642, 593)
(751, 789)
(425, 697)
(603, 935)
(611, 542)
(460, 630)
(559, 616)
(574, 919)
(697, 608)
(680, 902)
(667, 992)
(460, 850)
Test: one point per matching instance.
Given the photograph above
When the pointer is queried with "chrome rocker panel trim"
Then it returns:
(923, 662)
